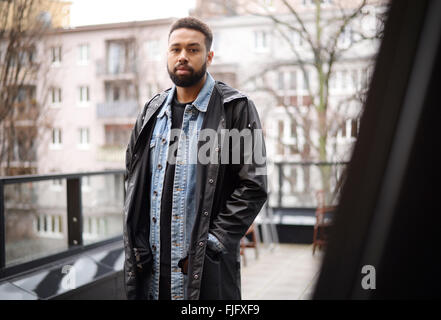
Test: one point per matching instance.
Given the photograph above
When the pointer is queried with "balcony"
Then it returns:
(62, 236)
(117, 109)
(74, 221)
(111, 154)
(294, 272)
(115, 71)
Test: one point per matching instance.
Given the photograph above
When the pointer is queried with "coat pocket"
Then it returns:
(142, 254)
(211, 283)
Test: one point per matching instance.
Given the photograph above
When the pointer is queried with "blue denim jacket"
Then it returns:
(184, 204)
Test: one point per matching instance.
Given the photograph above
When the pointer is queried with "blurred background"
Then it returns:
(75, 74)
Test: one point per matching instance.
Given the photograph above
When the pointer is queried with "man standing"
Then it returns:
(184, 215)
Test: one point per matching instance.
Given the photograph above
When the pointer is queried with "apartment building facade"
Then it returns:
(99, 78)
(102, 75)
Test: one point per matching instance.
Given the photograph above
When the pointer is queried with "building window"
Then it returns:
(84, 136)
(261, 41)
(50, 226)
(84, 94)
(94, 227)
(306, 80)
(293, 80)
(55, 96)
(56, 55)
(301, 138)
(293, 100)
(281, 80)
(348, 130)
(117, 135)
(120, 56)
(120, 91)
(57, 137)
(354, 128)
(306, 101)
(83, 54)
(152, 48)
(280, 145)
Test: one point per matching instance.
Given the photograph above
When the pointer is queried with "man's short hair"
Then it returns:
(195, 24)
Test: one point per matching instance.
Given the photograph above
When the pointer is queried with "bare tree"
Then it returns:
(327, 32)
(23, 25)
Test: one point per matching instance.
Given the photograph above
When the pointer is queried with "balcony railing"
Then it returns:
(117, 109)
(116, 71)
(295, 184)
(47, 217)
(111, 154)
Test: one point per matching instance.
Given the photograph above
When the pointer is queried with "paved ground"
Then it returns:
(286, 272)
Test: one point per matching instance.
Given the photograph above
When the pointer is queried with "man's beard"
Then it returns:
(187, 80)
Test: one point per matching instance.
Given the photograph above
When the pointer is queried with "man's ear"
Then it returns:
(210, 56)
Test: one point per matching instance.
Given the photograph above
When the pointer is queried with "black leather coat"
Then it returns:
(226, 207)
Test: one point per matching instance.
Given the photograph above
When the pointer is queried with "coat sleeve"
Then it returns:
(133, 136)
(129, 268)
(250, 191)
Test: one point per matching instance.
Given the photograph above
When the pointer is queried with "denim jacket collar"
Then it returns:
(201, 102)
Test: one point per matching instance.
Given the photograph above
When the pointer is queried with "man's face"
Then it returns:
(187, 57)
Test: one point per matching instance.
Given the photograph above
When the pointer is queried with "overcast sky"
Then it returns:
(86, 12)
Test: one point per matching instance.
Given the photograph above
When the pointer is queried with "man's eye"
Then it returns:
(193, 50)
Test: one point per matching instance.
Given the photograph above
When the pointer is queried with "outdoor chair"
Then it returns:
(323, 215)
(245, 242)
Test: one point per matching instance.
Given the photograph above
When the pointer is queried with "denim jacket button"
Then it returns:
(205, 213)
(196, 276)
(201, 244)
(211, 181)
(159, 166)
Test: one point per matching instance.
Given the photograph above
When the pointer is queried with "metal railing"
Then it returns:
(118, 109)
(70, 211)
(294, 184)
(35, 212)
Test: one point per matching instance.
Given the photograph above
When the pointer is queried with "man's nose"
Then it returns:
(182, 56)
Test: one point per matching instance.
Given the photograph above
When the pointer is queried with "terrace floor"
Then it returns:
(280, 272)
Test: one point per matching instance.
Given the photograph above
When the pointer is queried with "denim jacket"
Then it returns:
(184, 204)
